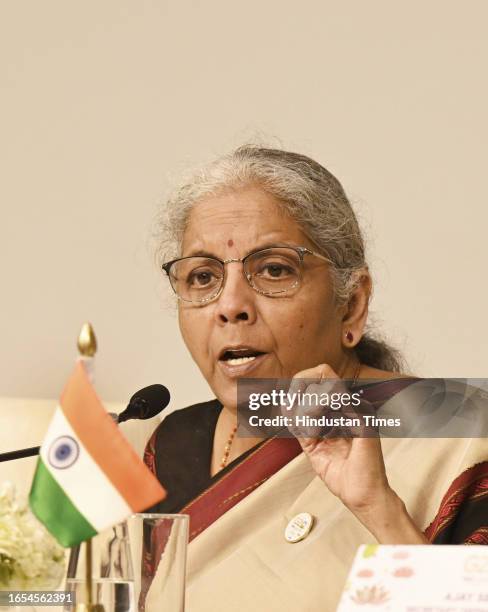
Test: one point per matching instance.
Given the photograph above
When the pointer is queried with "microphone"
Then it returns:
(144, 404)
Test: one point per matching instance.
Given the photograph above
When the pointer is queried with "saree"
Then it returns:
(238, 557)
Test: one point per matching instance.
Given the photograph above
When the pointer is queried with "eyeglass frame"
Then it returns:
(300, 250)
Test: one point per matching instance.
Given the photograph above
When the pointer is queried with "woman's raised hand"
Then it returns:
(353, 468)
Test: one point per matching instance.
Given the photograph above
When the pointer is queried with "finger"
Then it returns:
(318, 382)
(301, 380)
(299, 383)
(303, 408)
(332, 447)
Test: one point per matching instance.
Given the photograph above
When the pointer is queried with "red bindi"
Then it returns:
(230, 243)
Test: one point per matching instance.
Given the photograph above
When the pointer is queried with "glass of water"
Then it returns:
(137, 566)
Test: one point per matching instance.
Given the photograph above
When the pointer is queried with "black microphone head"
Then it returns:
(146, 403)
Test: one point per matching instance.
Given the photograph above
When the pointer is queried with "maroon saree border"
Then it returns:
(244, 478)
(470, 485)
(480, 536)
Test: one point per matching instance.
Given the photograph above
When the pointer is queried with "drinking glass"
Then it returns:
(137, 566)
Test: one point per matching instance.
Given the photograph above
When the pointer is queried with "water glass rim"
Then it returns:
(156, 515)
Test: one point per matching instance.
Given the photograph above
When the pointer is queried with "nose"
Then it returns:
(236, 302)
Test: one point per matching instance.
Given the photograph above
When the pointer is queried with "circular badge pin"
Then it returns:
(299, 527)
(63, 452)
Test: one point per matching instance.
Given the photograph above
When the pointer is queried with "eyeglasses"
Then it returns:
(271, 271)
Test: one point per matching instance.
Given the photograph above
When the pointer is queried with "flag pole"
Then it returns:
(87, 347)
(88, 574)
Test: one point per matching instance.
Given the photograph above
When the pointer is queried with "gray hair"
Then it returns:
(311, 196)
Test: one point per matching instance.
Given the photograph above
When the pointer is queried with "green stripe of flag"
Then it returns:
(53, 507)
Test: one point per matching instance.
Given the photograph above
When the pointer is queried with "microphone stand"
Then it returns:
(20, 454)
(33, 450)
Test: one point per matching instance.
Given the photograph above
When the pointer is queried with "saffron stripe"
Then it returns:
(53, 508)
(105, 443)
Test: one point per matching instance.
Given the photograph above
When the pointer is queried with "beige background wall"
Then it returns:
(102, 102)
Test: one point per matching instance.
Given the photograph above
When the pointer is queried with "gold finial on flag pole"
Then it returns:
(87, 341)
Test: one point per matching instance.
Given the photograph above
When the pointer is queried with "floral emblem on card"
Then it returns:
(365, 573)
(403, 572)
(401, 554)
(375, 595)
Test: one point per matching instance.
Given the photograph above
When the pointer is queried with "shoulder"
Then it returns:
(195, 411)
(194, 416)
(184, 426)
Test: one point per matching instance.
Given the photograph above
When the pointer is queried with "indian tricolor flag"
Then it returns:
(88, 476)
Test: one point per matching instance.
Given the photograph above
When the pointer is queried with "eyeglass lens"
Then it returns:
(269, 271)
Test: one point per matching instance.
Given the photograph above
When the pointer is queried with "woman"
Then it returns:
(266, 257)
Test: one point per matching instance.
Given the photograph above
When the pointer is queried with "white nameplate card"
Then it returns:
(417, 579)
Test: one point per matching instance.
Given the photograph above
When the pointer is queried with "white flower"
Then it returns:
(30, 558)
